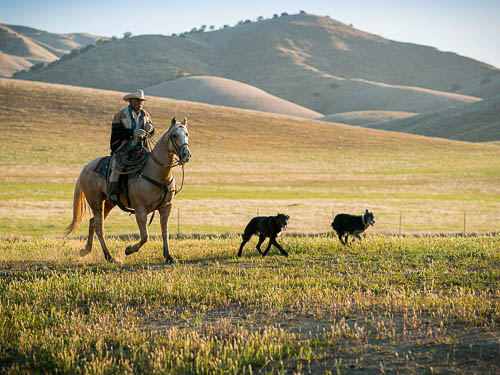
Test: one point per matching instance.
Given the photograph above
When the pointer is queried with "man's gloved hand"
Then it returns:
(148, 127)
(139, 133)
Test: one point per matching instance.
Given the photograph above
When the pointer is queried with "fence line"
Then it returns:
(300, 228)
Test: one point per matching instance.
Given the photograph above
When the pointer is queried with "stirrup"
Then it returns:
(113, 197)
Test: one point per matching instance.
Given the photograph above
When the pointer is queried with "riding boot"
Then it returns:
(114, 193)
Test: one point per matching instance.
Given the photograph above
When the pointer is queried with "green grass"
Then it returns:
(381, 303)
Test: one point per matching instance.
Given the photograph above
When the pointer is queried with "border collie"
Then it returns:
(345, 225)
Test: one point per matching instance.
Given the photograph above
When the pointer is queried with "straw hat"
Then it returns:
(136, 94)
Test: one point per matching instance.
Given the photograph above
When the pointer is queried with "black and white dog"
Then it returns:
(345, 225)
(266, 226)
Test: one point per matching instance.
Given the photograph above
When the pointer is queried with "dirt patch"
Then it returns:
(351, 344)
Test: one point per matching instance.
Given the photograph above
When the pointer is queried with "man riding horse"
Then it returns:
(131, 125)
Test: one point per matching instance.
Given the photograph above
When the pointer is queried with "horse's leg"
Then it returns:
(164, 215)
(141, 217)
(88, 247)
(99, 230)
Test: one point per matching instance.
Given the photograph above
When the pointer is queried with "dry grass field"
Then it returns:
(395, 304)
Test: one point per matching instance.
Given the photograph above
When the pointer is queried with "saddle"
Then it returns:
(103, 170)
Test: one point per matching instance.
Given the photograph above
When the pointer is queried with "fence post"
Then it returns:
(178, 222)
(464, 222)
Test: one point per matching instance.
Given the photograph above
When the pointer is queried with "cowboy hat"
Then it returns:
(136, 94)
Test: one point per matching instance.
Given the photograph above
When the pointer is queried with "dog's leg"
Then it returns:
(357, 236)
(245, 240)
(261, 239)
(346, 239)
(278, 246)
(268, 247)
(341, 240)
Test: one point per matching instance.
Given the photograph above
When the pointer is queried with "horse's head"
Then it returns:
(178, 140)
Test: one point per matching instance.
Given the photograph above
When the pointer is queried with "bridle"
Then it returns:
(177, 147)
(179, 161)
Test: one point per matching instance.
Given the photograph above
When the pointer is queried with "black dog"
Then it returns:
(266, 226)
(345, 225)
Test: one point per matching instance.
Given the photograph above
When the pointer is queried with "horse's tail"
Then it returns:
(80, 207)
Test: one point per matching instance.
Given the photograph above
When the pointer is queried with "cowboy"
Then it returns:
(131, 124)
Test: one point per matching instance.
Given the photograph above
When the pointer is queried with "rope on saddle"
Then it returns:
(132, 159)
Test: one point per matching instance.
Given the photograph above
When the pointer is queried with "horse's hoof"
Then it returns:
(130, 250)
(84, 252)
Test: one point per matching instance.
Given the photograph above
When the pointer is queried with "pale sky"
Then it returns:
(468, 27)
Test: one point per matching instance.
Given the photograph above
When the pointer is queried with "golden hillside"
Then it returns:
(22, 47)
(313, 61)
(243, 161)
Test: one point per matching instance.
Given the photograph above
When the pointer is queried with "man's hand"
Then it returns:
(139, 133)
(148, 127)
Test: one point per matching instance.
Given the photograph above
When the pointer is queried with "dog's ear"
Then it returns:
(366, 211)
(173, 122)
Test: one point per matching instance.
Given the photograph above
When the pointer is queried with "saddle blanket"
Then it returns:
(102, 166)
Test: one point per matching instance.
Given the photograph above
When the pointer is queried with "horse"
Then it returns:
(152, 190)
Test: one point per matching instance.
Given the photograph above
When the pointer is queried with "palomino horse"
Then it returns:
(153, 189)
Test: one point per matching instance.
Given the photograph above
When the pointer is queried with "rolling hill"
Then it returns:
(365, 117)
(226, 92)
(313, 61)
(476, 122)
(22, 47)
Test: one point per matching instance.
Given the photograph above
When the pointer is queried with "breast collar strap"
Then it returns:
(156, 183)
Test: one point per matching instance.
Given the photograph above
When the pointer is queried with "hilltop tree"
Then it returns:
(212, 27)
(127, 34)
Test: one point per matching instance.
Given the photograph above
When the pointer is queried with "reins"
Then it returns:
(165, 187)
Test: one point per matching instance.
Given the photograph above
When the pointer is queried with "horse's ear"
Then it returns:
(173, 122)
(185, 121)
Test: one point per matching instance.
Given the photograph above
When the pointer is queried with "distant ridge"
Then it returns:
(22, 47)
(476, 122)
(226, 92)
(306, 59)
